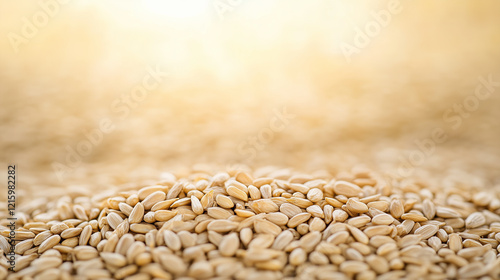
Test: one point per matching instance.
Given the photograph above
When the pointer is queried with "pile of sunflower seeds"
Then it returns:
(236, 226)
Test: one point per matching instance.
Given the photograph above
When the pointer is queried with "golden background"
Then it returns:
(229, 75)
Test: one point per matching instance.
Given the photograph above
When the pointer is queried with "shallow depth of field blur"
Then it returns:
(230, 72)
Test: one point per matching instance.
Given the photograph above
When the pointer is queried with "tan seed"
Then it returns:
(346, 188)
(229, 245)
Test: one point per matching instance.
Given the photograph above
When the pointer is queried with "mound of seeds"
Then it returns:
(272, 226)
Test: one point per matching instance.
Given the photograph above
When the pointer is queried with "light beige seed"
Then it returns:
(317, 224)
(71, 232)
(333, 202)
(164, 215)
(70, 242)
(152, 199)
(338, 237)
(455, 223)
(222, 225)
(196, 205)
(114, 220)
(187, 239)
(173, 192)
(46, 263)
(475, 220)
(80, 212)
(282, 240)
(144, 192)
(379, 205)
(201, 269)
(124, 244)
(318, 258)
(340, 215)
(472, 270)
(386, 249)
(49, 274)
(134, 250)
(58, 228)
(229, 245)
(173, 264)
(378, 264)
(125, 271)
(85, 252)
(309, 241)
(39, 238)
(264, 206)
(266, 191)
(218, 213)
(277, 218)
(346, 188)
(359, 221)
(172, 240)
(358, 235)
(244, 213)
(299, 188)
(114, 259)
(456, 260)
(427, 231)
(162, 205)
(316, 211)
(455, 242)
(445, 212)
(396, 208)
(23, 235)
(471, 252)
(315, 195)
(143, 259)
(263, 226)
(23, 246)
(109, 245)
(246, 236)
(49, 243)
(414, 217)
(224, 201)
(429, 209)
(297, 257)
(142, 227)
(137, 214)
(356, 206)
(298, 219)
(377, 230)
(5, 246)
(244, 178)
(442, 235)
(435, 243)
(303, 229)
(254, 193)
(237, 193)
(353, 267)
(300, 202)
(290, 210)
(409, 240)
(382, 219)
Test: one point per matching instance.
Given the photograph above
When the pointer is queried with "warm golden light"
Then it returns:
(177, 9)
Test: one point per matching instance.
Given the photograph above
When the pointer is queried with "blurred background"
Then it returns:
(309, 86)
